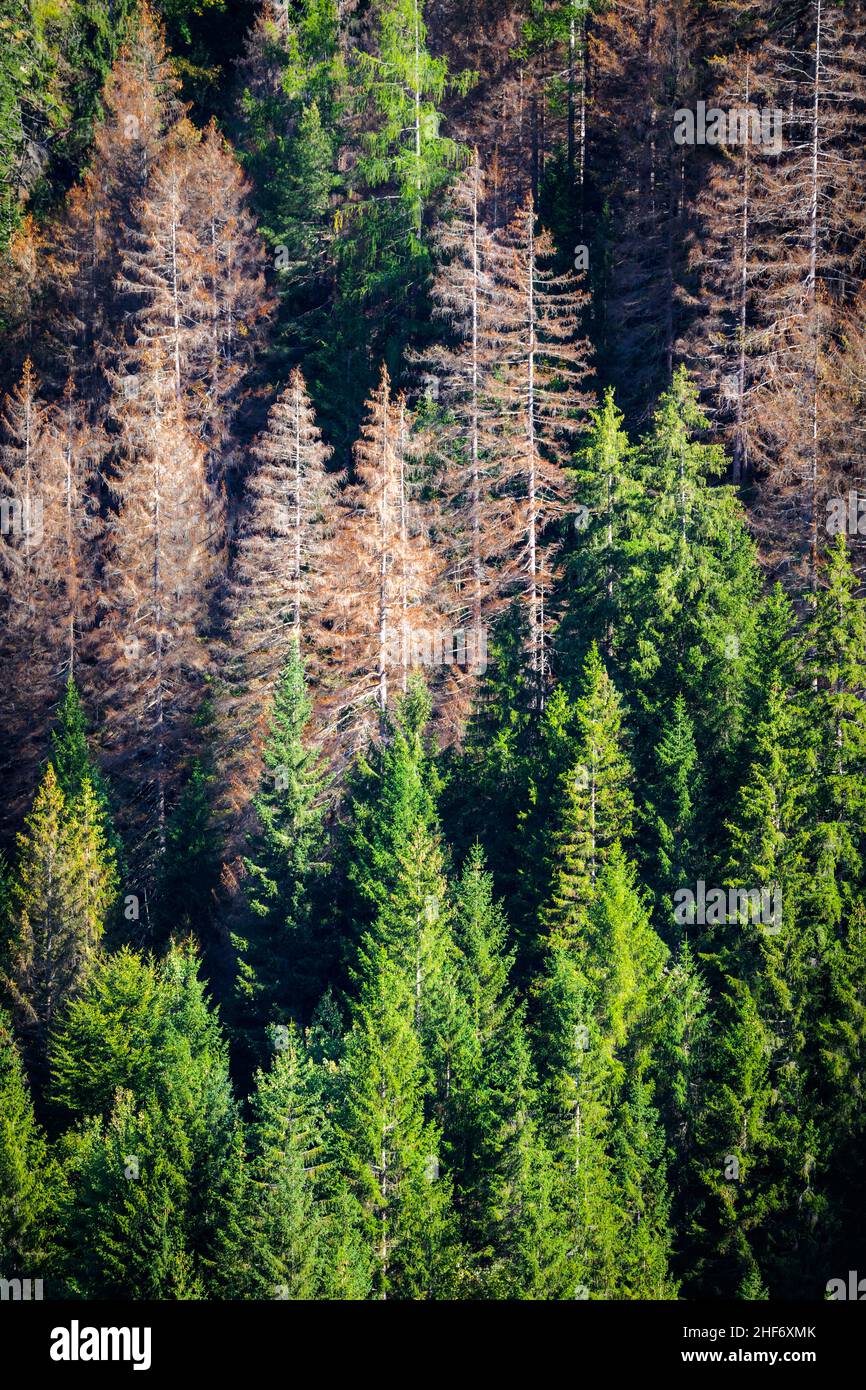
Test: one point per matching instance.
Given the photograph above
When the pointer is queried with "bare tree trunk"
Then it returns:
(296, 617)
(475, 521)
(582, 140)
(404, 538)
(571, 104)
(811, 291)
(740, 459)
(175, 307)
(383, 572)
(70, 565)
(417, 95)
(533, 113)
(608, 580)
(531, 444)
(159, 703)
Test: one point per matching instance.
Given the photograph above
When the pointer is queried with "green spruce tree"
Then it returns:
(387, 1149)
(64, 885)
(283, 946)
(596, 804)
(28, 1174)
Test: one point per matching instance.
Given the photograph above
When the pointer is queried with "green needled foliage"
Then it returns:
(345, 146)
(63, 887)
(504, 1174)
(69, 751)
(834, 649)
(393, 795)
(109, 1038)
(283, 945)
(405, 84)
(595, 804)
(154, 1182)
(606, 494)
(285, 1224)
(77, 772)
(672, 809)
(389, 1152)
(188, 872)
(303, 1230)
(28, 1173)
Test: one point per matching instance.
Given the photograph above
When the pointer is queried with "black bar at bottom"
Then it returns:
(83, 1340)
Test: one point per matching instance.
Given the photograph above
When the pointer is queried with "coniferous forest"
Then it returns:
(433, 649)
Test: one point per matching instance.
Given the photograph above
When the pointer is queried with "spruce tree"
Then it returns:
(75, 767)
(386, 1148)
(775, 661)
(464, 433)
(599, 997)
(402, 897)
(640, 1161)
(188, 874)
(28, 1176)
(548, 758)
(27, 566)
(673, 806)
(731, 1144)
(63, 888)
(232, 298)
(191, 280)
(481, 935)
(519, 1248)
(394, 791)
(282, 942)
(573, 1109)
(624, 960)
(154, 1187)
(537, 392)
(679, 1068)
(109, 1038)
(834, 642)
(136, 107)
(605, 494)
(503, 1173)
(292, 120)
(284, 1223)
(691, 591)
(414, 924)
(596, 803)
(69, 751)
(128, 1186)
(382, 615)
(276, 596)
(404, 83)
(73, 526)
(485, 793)
(160, 565)
(756, 1113)
(302, 1233)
